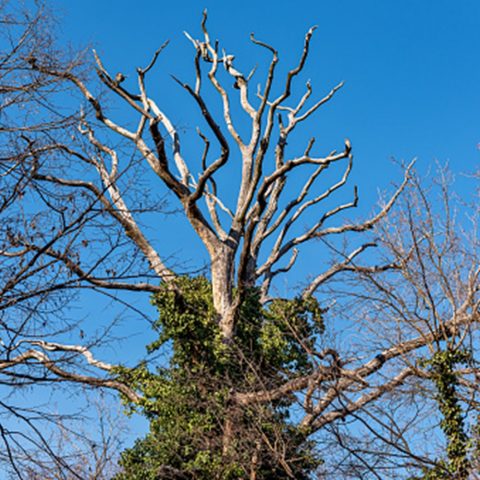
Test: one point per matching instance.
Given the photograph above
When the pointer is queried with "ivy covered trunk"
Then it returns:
(199, 428)
(442, 371)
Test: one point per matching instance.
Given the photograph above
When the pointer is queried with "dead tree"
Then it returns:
(249, 241)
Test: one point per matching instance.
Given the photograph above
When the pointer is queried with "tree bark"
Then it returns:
(222, 289)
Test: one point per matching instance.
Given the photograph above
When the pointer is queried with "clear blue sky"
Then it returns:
(411, 67)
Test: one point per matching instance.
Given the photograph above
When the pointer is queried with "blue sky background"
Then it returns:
(411, 72)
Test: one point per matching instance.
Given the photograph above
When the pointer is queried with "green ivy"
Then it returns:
(442, 372)
(188, 402)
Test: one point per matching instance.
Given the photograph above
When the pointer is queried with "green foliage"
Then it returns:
(442, 370)
(196, 431)
(188, 319)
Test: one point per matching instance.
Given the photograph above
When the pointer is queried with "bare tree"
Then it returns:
(80, 451)
(421, 293)
(422, 317)
(34, 287)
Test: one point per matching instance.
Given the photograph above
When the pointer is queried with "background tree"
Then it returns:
(35, 123)
(426, 310)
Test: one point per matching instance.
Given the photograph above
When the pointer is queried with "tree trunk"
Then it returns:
(222, 286)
